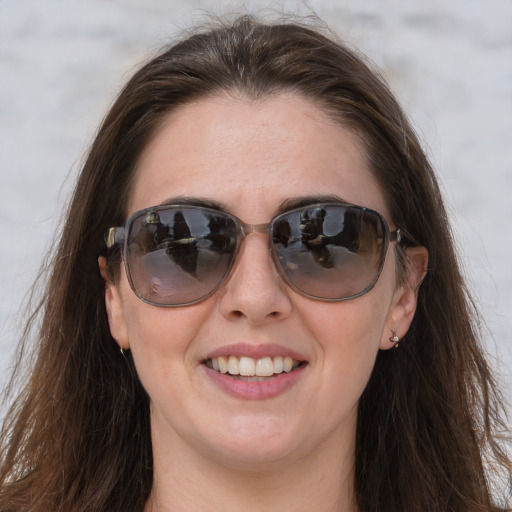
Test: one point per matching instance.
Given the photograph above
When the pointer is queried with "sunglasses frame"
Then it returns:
(115, 237)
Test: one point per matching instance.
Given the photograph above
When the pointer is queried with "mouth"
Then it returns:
(253, 370)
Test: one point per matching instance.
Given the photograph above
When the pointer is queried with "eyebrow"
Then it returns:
(285, 205)
(194, 201)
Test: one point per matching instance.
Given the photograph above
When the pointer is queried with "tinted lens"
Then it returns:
(330, 251)
(177, 256)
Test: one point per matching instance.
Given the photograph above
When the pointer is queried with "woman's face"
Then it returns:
(250, 157)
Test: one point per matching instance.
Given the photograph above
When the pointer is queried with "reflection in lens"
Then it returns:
(313, 238)
(332, 252)
(183, 250)
(179, 255)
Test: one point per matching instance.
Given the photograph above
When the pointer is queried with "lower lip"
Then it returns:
(256, 390)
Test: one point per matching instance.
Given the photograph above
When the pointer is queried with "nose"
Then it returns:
(254, 290)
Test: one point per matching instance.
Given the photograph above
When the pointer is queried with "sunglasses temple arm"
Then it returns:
(401, 235)
(114, 236)
(395, 236)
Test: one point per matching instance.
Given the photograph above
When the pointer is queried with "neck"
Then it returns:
(185, 480)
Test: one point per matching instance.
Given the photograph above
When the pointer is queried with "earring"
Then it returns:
(394, 339)
(121, 351)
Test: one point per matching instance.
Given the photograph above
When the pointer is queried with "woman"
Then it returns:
(255, 228)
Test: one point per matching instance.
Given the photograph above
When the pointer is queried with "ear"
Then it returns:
(113, 304)
(405, 298)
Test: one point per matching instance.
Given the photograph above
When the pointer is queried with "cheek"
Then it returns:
(161, 340)
(352, 326)
(348, 336)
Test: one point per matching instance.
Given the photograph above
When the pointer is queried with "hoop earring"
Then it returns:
(395, 339)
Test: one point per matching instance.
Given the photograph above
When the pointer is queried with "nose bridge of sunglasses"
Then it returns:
(248, 229)
(262, 229)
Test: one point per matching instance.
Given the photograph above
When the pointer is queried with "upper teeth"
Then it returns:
(249, 367)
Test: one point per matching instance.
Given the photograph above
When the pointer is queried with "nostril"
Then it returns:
(240, 314)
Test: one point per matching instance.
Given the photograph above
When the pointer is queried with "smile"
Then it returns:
(250, 367)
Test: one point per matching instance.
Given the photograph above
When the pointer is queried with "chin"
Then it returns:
(257, 444)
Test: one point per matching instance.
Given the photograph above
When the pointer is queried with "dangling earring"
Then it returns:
(394, 339)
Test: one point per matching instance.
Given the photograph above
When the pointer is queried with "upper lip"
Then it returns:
(256, 351)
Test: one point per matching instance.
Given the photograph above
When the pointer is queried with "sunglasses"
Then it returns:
(177, 255)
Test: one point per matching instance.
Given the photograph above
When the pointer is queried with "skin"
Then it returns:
(294, 451)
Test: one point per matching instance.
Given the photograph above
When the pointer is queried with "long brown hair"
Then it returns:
(78, 437)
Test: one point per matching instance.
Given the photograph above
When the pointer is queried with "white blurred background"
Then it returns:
(448, 62)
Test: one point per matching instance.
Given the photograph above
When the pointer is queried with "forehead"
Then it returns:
(253, 155)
